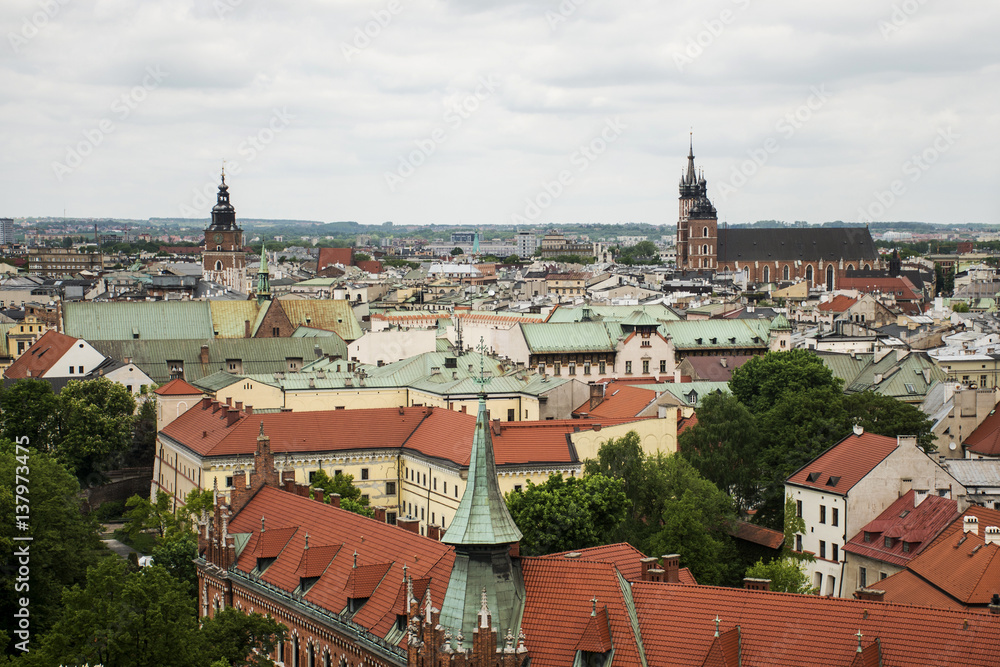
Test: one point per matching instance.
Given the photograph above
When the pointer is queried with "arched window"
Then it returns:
(850, 267)
(704, 250)
(784, 273)
(704, 232)
(767, 274)
(868, 267)
(829, 276)
(219, 248)
(218, 265)
(809, 273)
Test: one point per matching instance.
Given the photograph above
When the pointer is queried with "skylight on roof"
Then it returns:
(812, 477)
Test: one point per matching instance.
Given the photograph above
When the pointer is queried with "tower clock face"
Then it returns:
(218, 238)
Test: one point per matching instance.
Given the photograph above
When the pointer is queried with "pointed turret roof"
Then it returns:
(780, 323)
(691, 177)
(482, 517)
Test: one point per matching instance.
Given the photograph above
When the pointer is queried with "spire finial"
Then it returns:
(482, 380)
(261, 428)
(355, 558)
(262, 523)
(593, 606)
(717, 621)
(859, 636)
(223, 171)
(484, 611)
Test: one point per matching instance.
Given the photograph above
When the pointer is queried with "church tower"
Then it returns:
(698, 222)
(263, 279)
(224, 261)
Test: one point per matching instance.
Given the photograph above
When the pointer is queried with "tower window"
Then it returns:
(218, 265)
(704, 232)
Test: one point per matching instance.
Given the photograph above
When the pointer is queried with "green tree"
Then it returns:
(762, 381)
(786, 575)
(176, 554)
(96, 425)
(29, 408)
(693, 520)
(143, 448)
(64, 540)
(343, 484)
(456, 251)
(147, 520)
(724, 448)
(565, 514)
(886, 415)
(511, 259)
(125, 618)
(195, 504)
(362, 257)
(241, 640)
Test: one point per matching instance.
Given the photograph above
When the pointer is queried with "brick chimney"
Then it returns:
(408, 524)
(872, 594)
(318, 494)
(248, 409)
(335, 499)
(434, 532)
(970, 524)
(205, 402)
(232, 416)
(596, 394)
(246, 329)
(647, 564)
(204, 354)
(239, 405)
(302, 490)
(671, 568)
(756, 584)
(239, 487)
(380, 514)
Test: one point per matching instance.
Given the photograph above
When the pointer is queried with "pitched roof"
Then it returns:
(985, 440)
(141, 320)
(177, 387)
(900, 287)
(904, 522)
(837, 304)
(340, 533)
(749, 532)
(623, 556)
(482, 516)
(808, 245)
(786, 629)
(845, 464)
(328, 256)
(620, 401)
(38, 359)
(718, 334)
(712, 368)
(577, 337)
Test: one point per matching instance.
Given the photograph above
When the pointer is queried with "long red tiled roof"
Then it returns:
(901, 287)
(328, 256)
(905, 523)
(620, 401)
(623, 556)
(178, 387)
(985, 439)
(376, 543)
(678, 628)
(750, 532)
(845, 464)
(558, 605)
(905, 587)
(41, 356)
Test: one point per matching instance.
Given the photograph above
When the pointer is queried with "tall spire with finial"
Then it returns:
(691, 177)
(263, 278)
(223, 213)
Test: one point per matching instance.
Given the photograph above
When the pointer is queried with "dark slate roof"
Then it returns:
(810, 245)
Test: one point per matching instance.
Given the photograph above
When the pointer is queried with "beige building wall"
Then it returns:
(252, 392)
(349, 398)
(390, 345)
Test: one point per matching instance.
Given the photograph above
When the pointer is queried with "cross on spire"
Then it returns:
(859, 636)
(717, 621)
(593, 606)
(482, 380)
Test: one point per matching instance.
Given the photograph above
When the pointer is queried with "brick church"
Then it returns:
(224, 260)
(820, 256)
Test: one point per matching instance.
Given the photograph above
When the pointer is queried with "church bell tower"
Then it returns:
(224, 260)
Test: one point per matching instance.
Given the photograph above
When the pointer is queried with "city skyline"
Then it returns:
(511, 112)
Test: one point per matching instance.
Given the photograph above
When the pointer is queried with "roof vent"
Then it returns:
(812, 477)
(859, 429)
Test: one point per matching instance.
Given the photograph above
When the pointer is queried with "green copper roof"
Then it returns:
(780, 323)
(482, 517)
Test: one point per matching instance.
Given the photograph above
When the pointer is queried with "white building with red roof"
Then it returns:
(849, 485)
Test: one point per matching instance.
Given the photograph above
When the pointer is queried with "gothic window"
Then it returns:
(868, 267)
(809, 273)
(704, 232)
(850, 267)
(218, 265)
(704, 250)
(784, 273)
(767, 274)
(829, 277)
(218, 248)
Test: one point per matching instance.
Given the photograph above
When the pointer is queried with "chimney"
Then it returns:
(906, 441)
(335, 499)
(215, 406)
(970, 524)
(992, 535)
(246, 328)
(756, 584)
(239, 405)
(205, 402)
(871, 594)
(596, 394)
(204, 354)
(671, 568)
(232, 416)
(318, 494)
(229, 401)
(434, 532)
(647, 564)
(289, 484)
(995, 604)
(409, 525)
(248, 409)
(302, 490)
(380, 514)
(723, 362)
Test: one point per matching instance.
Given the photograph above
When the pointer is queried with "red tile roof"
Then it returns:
(178, 387)
(985, 440)
(370, 266)
(684, 423)
(711, 369)
(315, 560)
(845, 464)
(623, 556)
(620, 401)
(837, 304)
(41, 356)
(916, 526)
(328, 256)
(596, 637)
(900, 287)
(558, 605)
(786, 629)
(749, 532)
(364, 579)
(378, 543)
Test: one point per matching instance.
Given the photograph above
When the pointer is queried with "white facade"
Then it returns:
(390, 345)
(526, 243)
(76, 362)
(132, 377)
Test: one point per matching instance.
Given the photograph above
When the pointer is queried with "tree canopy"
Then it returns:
(343, 484)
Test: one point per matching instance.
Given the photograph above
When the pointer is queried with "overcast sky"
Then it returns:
(493, 111)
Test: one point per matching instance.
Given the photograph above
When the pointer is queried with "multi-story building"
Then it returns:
(6, 231)
(526, 243)
(62, 261)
